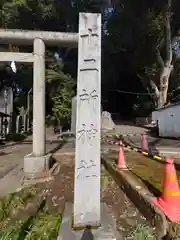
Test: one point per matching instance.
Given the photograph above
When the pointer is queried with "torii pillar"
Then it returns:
(39, 98)
(36, 164)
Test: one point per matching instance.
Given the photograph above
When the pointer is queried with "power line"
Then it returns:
(126, 92)
(143, 94)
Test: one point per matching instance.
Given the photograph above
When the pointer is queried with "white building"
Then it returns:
(168, 120)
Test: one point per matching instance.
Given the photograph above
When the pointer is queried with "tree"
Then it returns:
(142, 30)
(9, 12)
(61, 88)
(166, 66)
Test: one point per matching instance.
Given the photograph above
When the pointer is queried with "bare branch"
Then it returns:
(147, 88)
(140, 77)
(154, 88)
(156, 95)
(142, 80)
(159, 58)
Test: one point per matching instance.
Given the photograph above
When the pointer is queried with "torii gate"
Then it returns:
(35, 163)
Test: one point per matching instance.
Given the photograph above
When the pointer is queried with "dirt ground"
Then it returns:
(125, 213)
(60, 190)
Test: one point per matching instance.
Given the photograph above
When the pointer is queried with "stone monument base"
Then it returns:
(36, 167)
(107, 230)
(107, 122)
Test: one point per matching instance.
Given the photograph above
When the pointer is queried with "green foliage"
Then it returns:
(137, 28)
(11, 202)
(36, 14)
(9, 11)
(10, 233)
(62, 104)
(45, 226)
(61, 89)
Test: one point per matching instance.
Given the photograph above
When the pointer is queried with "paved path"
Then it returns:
(129, 129)
(12, 156)
(156, 145)
(11, 164)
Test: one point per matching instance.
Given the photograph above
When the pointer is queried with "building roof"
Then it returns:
(4, 115)
(167, 106)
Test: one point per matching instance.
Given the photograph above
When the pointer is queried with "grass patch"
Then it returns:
(174, 230)
(42, 226)
(12, 202)
(12, 232)
(45, 226)
(148, 170)
(142, 232)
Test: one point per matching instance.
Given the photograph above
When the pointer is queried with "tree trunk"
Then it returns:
(166, 65)
(164, 84)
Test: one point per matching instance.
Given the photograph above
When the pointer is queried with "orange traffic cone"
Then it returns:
(121, 158)
(169, 202)
(144, 142)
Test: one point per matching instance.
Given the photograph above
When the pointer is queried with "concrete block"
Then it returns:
(106, 121)
(107, 230)
(36, 166)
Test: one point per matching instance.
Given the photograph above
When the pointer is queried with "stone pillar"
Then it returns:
(87, 158)
(39, 99)
(88, 210)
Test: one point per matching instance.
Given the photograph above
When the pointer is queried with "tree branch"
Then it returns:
(146, 87)
(154, 88)
(168, 35)
(159, 58)
(142, 80)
